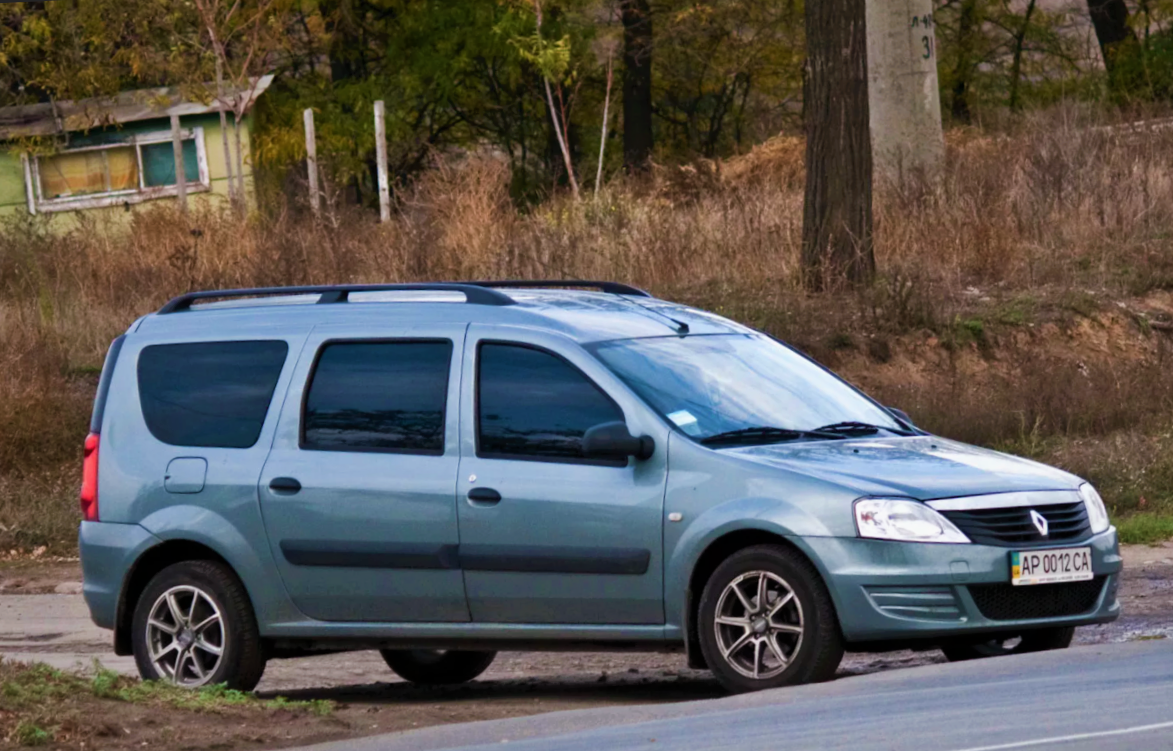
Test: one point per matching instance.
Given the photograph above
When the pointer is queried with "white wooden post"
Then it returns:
(311, 160)
(381, 160)
(180, 168)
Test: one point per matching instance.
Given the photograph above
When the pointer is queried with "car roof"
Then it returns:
(583, 315)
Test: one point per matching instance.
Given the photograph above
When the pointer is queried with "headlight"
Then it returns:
(1097, 514)
(909, 521)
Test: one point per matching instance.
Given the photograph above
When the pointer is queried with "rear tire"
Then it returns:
(1042, 640)
(194, 626)
(791, 638)
(435, 667)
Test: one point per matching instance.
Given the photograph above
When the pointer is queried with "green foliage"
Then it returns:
(30, 734)
(1145, 529)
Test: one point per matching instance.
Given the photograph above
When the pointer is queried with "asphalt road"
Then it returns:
(1112, 696)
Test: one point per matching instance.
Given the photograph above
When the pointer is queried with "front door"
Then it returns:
(358, 493)
(547, 535)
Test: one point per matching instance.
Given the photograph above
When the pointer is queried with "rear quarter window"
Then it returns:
(211, 394)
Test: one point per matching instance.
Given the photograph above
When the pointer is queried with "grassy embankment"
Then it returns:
(41, 706)
(1025, 301)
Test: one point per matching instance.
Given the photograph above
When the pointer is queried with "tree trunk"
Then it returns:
(1019, 49)
(232, 197)
(637, 85)
(241, 193)
(837, 214)
(606, 114)
(968, 26)
(1110, 19)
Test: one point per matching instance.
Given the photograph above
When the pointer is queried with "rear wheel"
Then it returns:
(436, 667)
(766, 620)
(1042, 640)
(194, 626)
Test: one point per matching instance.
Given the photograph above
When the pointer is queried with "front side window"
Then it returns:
(124, 169)
(532, 404)
(378, 396)
(741, 388)
(213, 394)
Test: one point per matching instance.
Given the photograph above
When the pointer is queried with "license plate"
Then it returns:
(1050, 566)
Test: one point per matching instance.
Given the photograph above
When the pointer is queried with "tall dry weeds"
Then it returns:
(1055, 205)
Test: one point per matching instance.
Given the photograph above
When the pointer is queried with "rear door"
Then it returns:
(358, 493)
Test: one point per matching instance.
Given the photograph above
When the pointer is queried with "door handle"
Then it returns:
(486, 496)
(284, 485)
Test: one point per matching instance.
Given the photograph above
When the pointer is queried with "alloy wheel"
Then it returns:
(185, 636)
(759, 624)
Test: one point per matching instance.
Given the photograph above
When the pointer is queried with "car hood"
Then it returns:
(923, 467)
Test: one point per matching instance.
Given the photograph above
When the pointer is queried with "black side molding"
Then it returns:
(369, 555)
(552, 560)
(499, 558)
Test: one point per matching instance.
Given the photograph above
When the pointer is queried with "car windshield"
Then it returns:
(745, 387)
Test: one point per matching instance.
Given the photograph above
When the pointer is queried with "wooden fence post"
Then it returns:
(180, 166)
(311, 160)
(381, 159)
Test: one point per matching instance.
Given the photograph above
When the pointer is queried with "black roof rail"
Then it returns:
(611, 288)
(474, 294)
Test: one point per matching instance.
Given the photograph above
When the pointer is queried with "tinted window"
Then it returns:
(209, 394)
(531, 403)
(378, 396)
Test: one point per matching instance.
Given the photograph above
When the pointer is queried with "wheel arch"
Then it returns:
(146, 566)
(711, 557)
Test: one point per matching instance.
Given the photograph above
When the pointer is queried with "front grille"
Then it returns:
(1005, 602)
(1012, 527)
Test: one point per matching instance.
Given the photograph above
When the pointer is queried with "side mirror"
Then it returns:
(612, 440)
(902, 416)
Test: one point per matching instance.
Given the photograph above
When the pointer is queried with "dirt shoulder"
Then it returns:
(365, 698)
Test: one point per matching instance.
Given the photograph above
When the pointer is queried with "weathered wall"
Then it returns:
(14, 202)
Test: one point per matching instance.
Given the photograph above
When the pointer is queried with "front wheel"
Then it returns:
(435, 667)
(1042, 640)
(766, 620)
(194, 626)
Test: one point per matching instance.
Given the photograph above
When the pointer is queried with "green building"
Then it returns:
(103, 157)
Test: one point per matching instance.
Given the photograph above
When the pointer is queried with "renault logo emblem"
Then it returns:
(1040, 522)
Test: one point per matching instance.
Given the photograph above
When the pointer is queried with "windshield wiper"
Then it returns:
(853, 427)
(765, 434)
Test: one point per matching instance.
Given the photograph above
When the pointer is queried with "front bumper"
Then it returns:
(897, 591)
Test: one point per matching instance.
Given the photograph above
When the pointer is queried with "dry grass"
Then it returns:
(1052, 222)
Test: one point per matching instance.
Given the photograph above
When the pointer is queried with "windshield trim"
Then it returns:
(593, 347)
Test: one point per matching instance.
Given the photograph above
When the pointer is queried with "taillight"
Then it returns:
(89, 480)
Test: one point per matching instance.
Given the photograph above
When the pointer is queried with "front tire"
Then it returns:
(766, 620)
(434, 667)
(194, 626)
(1042, 640)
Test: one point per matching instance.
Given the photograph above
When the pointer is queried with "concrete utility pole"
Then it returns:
(903, 96)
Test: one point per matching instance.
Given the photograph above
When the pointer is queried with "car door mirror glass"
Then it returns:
(612, 440)
(902, 416)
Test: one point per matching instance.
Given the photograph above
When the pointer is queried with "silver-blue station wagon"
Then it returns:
(443, 471)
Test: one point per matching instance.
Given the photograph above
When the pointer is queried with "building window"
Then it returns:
(133, 169)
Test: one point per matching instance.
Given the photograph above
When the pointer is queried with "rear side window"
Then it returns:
(378, 396)
(213, 394)
(532, 404)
